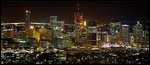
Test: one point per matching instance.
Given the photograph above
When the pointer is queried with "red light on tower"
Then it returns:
(78, 16)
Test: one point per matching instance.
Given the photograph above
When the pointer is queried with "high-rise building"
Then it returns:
(103, 36)
(27, 26)
(27, 21)
(92, 32)
(78, 18)
(125, 32)
(138, 32)
(57, 28)
(69, 29)
(53, 20)
(115, 29)
(80, 26)
(59, 35)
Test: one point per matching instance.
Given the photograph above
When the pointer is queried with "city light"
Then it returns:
(81, 37)
(125, 25)
(42, 26)
(84, 23)
(62, 29)
(56, 28)
(27, 11)
(31, 27)
(61, 37)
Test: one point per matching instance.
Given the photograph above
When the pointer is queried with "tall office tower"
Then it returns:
(27, 26)
(78, 18)
(60, 36)
(125, 33)
(57, 35)
(103, 35)
(79, 25)
(138, 32)
(92, 32)
(53, 21)
(115, 29)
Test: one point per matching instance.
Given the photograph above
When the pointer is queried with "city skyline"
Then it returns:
(13, 11)
(74, 32)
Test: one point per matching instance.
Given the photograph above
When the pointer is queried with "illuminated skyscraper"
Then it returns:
(27, 26)
(125, 32)
(53, 20)
(115, 29)
(79, 25)
(78, 18)
(57, 35)
(92, 32)
(138, 32)
(27, 20)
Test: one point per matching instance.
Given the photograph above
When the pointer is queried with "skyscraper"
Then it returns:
(138, 32)
(125, 32)
(92, 32)
(53, 20)
(79, 25)
(57, 27)
(27, 25)
(78, 18)
(27, 20)
(115, 29)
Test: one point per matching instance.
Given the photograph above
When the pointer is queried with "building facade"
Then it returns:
(92, 32)
(115, 30)
(125, 32)
(138, 32)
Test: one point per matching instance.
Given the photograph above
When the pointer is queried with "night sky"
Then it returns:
(14, 11)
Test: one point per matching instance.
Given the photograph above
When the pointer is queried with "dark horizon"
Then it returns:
(13, 11)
